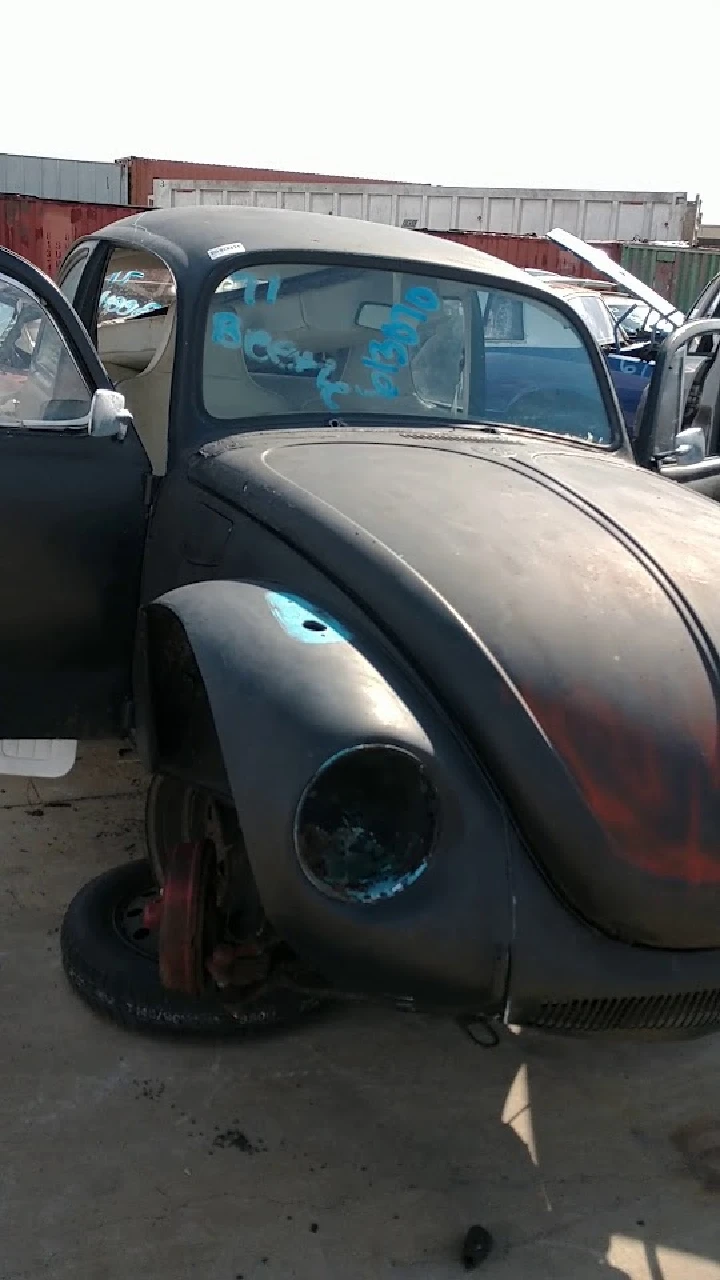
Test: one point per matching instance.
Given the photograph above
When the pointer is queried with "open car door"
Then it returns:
(679, 432)
(74, 485)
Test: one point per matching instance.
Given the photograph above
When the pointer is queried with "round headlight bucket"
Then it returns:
(365, 826)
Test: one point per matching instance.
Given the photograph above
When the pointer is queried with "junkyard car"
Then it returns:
(638, 320)
(342, 524)
(627, 355)
(653, 318)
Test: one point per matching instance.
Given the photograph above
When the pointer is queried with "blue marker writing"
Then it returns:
(226, 330)
(384, 358)
(250, 284)
(388, 357)
(329, 389)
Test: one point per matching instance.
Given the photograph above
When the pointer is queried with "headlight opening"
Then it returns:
(365, 826)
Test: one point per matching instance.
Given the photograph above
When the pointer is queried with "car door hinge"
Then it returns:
(149, 490)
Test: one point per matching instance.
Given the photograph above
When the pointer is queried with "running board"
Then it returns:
(37, 757)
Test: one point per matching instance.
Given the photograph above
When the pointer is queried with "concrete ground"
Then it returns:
(362, 1146)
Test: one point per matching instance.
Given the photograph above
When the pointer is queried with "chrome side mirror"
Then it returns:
(690, 446)
(110, 417)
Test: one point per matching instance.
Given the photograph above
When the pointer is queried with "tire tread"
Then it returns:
(129, 991)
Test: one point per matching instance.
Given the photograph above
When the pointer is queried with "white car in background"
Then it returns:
(698, 358)
(638, 320)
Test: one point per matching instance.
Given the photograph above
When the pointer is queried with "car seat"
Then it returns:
(138, 354)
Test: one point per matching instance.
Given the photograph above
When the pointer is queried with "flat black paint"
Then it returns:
(72, 534)
(536, 588)
(520, 609)
(282, 709)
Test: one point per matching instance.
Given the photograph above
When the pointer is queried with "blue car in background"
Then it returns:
(630, 361)
(629, 322)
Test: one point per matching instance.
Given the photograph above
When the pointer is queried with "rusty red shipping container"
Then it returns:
(43, 230)
(530, 251)
(142, 172)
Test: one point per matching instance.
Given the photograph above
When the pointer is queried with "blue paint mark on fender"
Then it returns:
(302, 622)
(389, 886)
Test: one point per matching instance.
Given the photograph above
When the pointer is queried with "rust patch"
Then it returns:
(658, 800)
(186, 917)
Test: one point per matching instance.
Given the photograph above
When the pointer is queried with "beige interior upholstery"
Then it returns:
(138, 354)
(130, 344)
(228, 389)
(323, 321)
(357, 374)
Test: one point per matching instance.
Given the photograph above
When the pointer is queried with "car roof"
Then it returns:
(617, 296)
(189, 235)
(565, 285)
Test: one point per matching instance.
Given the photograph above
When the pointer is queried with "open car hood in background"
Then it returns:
(602, 262)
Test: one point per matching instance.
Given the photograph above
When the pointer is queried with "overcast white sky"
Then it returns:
(557, 94)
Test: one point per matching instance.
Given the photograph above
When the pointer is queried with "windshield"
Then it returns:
(638, 318)
(361, 343)
(596, 317)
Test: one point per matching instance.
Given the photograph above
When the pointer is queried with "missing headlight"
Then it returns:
(365, 827)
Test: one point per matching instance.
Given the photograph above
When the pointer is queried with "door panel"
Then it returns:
(72, 525)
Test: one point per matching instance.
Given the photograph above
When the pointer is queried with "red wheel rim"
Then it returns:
(185, 933)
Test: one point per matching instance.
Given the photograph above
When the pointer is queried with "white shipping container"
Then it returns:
(81, 181)
(592, 215)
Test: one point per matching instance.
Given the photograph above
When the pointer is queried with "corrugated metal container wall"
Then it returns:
(142, 173)
(76, 180)
(530, 251)
(592, 215)
(43, 230)
(677, 274)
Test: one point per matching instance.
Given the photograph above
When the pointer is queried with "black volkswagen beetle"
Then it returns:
(341, 523)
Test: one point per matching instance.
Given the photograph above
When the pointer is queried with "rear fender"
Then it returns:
(289, 689)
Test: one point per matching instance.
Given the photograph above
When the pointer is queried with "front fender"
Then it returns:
(291, 689)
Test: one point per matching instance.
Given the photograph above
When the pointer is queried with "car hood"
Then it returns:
(563, 606)
(601, 261)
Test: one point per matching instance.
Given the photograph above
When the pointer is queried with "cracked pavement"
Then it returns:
(360, 1146)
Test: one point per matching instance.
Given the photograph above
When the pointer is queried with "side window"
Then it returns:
(40, 384)
(547, 381)
(135, 339)
(72, 273)
(596, 318)
(136, 302)
(437, 371)
(504, 316)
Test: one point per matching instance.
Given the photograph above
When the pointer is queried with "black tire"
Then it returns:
(121, 979)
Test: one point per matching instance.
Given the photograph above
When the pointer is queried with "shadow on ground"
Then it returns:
(362, 1146)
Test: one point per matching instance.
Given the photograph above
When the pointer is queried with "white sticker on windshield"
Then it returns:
(224, 250)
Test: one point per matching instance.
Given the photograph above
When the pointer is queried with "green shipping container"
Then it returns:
(676, 274)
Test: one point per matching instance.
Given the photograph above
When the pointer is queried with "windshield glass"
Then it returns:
(638, 318)
(365, 343)
(596, 317)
